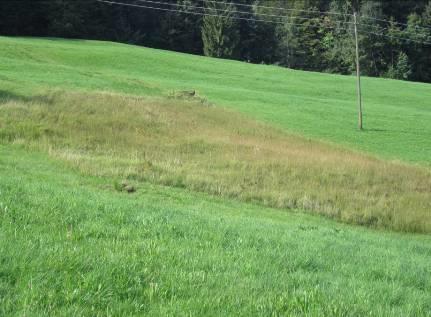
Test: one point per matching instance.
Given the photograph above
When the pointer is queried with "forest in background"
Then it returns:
(321, 41)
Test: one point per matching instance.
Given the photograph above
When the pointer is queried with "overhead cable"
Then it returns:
(235, 17)
(230, 11)
(208, 14)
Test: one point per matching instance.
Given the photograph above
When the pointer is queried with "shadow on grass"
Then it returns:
(392, 132)
(57, 39)
(6, 96)
(375, 130)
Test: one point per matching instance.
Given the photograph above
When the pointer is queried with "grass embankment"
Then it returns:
(397, 114)
(186, 143)
(72, 246)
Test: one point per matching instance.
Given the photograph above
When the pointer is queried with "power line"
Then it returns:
(226, 11)
(213, 15)
(426, 27)
(283, 9)
(186, 12)
(215, 9)
(316, 11)
(397, 37)
(319, 12)
(232, 11)
(249, 19)
(425, 41)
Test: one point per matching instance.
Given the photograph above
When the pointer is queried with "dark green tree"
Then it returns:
(419, 53)
(394, 43)
(300, 40)
(319, 42)
(181, 31)
(402, 69)
(258, 39)
(68, 18)
(338, 41)
(371, 43)
(220, 35)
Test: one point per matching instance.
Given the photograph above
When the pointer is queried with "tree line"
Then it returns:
(391, 33)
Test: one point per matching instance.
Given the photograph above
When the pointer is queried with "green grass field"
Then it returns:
(397, 114)
(229, 187)
(73, 246)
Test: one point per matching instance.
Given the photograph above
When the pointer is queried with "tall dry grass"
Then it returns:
(186, 143)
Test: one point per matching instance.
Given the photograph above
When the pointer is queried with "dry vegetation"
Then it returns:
(186, 143)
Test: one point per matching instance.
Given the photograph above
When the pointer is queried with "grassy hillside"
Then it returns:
(72, 245)
(82, 123)
(186, 143)
(397, 114)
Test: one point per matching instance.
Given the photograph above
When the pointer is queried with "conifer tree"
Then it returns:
(300, 40)
(402, 69)
(338, 41)
(220, 35)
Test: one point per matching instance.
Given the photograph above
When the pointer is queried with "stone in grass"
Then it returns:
(124, 186)
(130, 189)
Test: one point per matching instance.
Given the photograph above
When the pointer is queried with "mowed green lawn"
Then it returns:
(321, 106)
(72, 246)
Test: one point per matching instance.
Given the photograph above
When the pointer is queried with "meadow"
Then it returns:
(234, 188)
(72, 245)
(187, 143)
(319, 106)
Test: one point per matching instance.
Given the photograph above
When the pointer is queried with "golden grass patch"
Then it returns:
(186, 143)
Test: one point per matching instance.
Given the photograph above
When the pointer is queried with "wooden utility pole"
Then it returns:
(358, 74)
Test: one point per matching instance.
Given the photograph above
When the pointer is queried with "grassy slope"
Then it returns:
(87, 250)
(71, 245)
(397, 114)
(184, 143)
